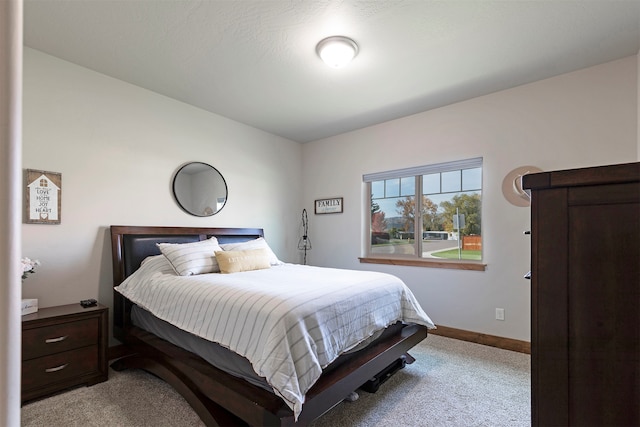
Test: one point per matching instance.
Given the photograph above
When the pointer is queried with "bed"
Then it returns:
(218, 392)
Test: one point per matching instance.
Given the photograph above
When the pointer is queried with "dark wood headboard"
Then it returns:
(130, 245)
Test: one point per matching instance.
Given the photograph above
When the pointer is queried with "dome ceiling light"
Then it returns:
(337, 51)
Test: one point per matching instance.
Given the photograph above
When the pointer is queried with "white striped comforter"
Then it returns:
(289, 321)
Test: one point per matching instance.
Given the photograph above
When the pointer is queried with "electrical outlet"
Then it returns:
(499, 313)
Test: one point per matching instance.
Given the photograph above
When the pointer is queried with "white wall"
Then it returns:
(11, 19)
(117, 147)
(581, 119)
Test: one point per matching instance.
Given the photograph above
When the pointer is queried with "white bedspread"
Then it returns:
(289, 321)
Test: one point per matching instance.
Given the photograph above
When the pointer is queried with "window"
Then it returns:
(427, 213)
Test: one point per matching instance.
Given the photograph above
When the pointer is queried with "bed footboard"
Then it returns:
(221, 399)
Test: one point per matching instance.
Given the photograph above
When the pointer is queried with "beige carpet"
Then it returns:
(452, 383)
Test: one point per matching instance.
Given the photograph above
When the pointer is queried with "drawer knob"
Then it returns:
(57, 368)
(55, 340)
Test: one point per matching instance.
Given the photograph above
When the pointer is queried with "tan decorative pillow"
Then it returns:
(237, 261)
(259, 243)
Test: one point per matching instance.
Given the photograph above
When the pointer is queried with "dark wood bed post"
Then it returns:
(221, 399)
(119, 302)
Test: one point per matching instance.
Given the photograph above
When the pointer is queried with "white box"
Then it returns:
(29, 306)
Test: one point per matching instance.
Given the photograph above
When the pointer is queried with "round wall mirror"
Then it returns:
(199, 189)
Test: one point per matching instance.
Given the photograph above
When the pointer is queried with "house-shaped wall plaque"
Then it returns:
(43, 197)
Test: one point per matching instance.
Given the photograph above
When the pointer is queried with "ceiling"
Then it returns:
(254, 61)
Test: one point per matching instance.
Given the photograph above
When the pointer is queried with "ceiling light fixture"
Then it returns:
(337, 51)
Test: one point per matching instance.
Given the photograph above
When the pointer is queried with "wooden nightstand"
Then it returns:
(62, 347)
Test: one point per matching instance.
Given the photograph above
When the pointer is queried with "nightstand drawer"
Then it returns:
(59, 367)
(58, 338)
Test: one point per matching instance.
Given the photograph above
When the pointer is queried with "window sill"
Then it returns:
(453, 265)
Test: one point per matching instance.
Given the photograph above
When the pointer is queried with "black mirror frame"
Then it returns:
(182, 205)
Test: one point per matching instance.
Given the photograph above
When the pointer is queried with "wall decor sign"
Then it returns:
(327, 206)
(43, 197)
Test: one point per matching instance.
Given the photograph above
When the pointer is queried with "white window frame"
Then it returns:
(417, 172)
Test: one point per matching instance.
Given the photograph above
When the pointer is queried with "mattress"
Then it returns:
(225, 359)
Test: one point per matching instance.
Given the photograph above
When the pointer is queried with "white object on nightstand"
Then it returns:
(29, 306)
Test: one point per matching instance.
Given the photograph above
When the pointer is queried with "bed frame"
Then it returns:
(218, 398)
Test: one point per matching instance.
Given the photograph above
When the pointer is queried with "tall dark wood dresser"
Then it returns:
(585, 296)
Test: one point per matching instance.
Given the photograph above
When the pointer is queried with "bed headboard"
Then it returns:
(130, 245)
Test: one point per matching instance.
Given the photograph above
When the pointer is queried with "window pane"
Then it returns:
(472, 179)
(464, 242)
(431, 183)
(377, 189)
(450, 181)
(392, 226)
(392, 187)
(408, 186)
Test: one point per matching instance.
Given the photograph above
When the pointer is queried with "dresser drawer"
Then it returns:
(53, 339)
(59, 367)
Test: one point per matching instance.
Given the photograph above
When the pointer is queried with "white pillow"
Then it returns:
(188, 259)
(258, 243)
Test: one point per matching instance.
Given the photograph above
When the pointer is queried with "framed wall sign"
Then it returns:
(327, 206)
(43, 197)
